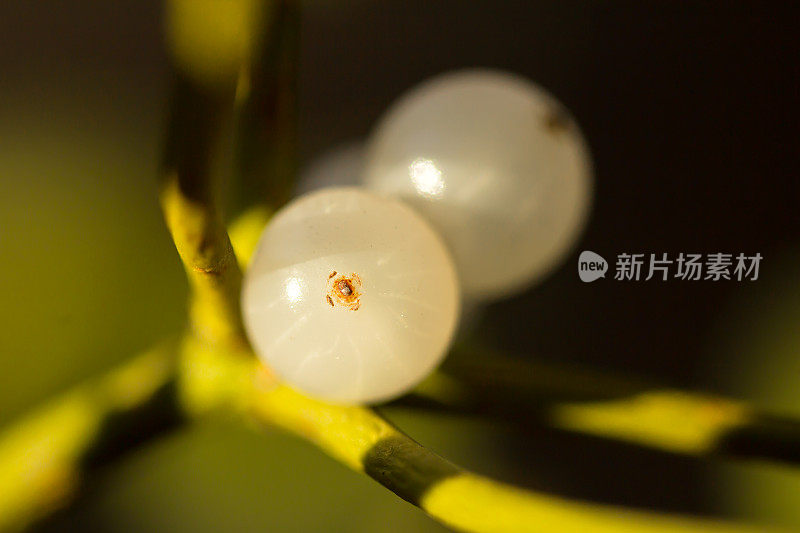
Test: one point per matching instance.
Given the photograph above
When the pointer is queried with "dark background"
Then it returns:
(690, 109)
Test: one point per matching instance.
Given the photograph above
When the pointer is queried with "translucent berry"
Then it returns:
(350, 296)
(496, 164)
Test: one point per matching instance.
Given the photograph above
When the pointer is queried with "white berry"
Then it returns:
(496, 165)
(350, 297)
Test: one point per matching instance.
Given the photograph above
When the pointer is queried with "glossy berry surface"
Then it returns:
(496, 164)
(350, 297)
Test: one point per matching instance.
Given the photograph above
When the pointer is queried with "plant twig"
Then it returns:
(581, 401)
(266, 147)
(367, 443)
(188, 199)
(44, 457)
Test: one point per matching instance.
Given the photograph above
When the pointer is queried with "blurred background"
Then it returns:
(690, 109)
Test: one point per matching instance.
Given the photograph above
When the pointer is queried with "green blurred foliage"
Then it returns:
(88, 274)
